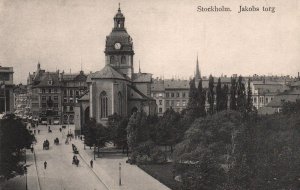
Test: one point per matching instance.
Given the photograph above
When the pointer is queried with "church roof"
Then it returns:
(135, 94)
(106, 73)
(141, 77)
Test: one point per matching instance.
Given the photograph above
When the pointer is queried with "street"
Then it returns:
(60, 172)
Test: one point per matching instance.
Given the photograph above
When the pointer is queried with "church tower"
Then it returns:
(119, 47)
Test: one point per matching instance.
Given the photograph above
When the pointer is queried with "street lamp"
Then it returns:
(25, 171)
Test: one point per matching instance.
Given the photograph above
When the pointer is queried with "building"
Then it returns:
(73, 87)
(117, 88)
(6, 90)
(52, 95)
(20, 100)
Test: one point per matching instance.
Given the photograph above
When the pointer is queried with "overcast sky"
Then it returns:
(167, 36)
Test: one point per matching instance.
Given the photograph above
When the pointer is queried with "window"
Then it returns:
(177, 95)
(120, 101)
(49, 90)
(172, 102)
(55, 98)
(43, 98)
(55, 90)
(167, 94)
(167, 103)
(177, 103)
(254, 100)
(183, 94)
(50, 82)
(112, 59)
(65, 92)
(71, 100)
(55, 105)
(123, 60)
(65, 100)
(154, 94)
(77, 93)
(160, 110)
(183, 103)
(65, 108)
(43, 91)
(44, 105)
(103, 105)
(172, 95)
(160, 102)
(71, 92)
(71, 108)
(267, 100)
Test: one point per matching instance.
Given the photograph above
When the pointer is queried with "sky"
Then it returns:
(167, 36)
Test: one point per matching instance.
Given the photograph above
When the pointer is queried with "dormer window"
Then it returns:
(50, 82)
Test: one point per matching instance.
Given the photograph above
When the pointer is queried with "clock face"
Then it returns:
(117, 46)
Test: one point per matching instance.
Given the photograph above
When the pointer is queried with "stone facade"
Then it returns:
(6, 90)
(52, 95)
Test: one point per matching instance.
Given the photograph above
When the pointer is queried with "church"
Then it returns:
(116, 88)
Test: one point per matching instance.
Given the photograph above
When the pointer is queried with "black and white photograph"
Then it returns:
(149, 95)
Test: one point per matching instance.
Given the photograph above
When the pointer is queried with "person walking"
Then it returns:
(31, 148)
(91, 162)
(45, 165)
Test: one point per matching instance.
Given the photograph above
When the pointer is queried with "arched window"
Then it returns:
(120, 103)
(103, 105)
(123, 60)
(112, 59)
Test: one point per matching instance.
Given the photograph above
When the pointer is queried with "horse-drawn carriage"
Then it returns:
(46, 145)
(56, 141)
(75, 160)
(75, 151)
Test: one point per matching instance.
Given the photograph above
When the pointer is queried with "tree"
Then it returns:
(241, 95)
(13, 138)
(201, 99)
(118, 133)
(249, 105)
(224, 97)
(168, 128)
(211, 94)
(192, 106)
(219, 97)
(95, 134)
(233, 105)
(212, 153)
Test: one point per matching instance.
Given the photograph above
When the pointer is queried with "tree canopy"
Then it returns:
(13, 138)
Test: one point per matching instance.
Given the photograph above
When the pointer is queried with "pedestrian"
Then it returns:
(31, 148)
(45, 165)
(38, 131)
(91, 162)
(34, 131)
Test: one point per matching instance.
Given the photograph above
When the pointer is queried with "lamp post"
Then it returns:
(120, 181)
(25, 171)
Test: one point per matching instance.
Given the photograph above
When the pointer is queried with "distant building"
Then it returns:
(52, 95)
(20, 100)
(6, 89)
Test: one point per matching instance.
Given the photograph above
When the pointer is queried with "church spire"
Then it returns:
(119, 20)
(197, 73)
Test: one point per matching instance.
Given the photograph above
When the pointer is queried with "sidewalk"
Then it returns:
(107, 169)
(32, 178)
